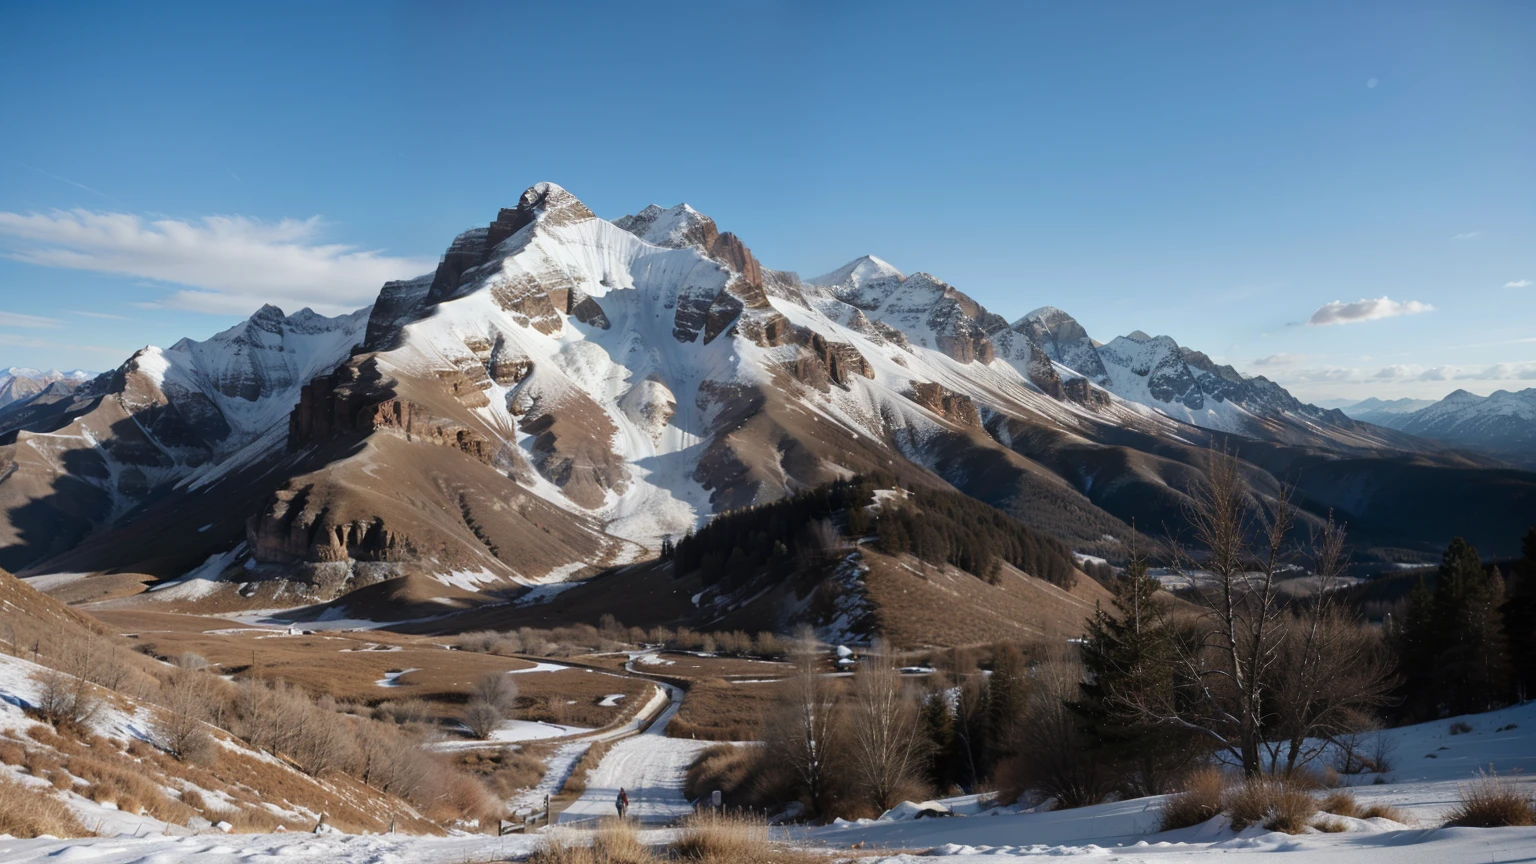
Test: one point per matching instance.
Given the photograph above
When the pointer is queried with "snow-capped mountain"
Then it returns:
(19, 383)
(1502, 423)
(77, 460)
(1384, 412)
(565, 390)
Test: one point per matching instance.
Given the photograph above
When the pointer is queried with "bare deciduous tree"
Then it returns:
(886, 749)
(1246, 655)
(1334, 671)
(186, 700)
(800, 731)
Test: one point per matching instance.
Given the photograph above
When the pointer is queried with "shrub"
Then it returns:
(482, 718)
(1383, 811)
(1276, 804)
(1340, 803)
(1330, 826)
(28, 813)
(1199, 798)
(1460, 727)
(65, 698)
(1492, 801)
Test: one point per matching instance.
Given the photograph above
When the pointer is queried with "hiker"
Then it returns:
(622, 803)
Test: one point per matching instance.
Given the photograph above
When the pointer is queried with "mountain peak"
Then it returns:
(672, 227)
(859, 271)
(1046, 314)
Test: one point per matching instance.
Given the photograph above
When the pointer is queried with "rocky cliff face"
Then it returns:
(563, 388)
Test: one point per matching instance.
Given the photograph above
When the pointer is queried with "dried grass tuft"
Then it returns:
(1199, 798)
(1492, 801)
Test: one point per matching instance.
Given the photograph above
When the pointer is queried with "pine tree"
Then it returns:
(1007, 701)
(1472, 663)
(1128, 655)
(1415, 642)
(939, 728)
(1520, 619)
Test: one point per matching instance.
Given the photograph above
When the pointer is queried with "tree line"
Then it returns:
(1469, 643)
(936, 526)
(1160, 688)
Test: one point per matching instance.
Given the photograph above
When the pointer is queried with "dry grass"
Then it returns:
(28, 813)
(1275, 803)
(507, 770)
(1330, 826)
(717, 710)
(726, 767)
(1198, 799)
(681, 665)
(1019, 608)
(1340, 803)
(1492, 801)
(713, 839)
(1384, 811)
(618, 842)
(576, 784)
(614, 842)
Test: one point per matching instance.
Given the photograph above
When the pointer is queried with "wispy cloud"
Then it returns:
(1466, 235)
(1518, 283)
(1323, 375)
(73, 183)
(232, 264)
(18, 341)
(16, 319)
(108, 316)
(1497, 372)
(1339, 312)
(1281, 359)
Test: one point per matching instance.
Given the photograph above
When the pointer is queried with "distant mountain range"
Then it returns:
(565, 392)
(1501, 424)
(19, 382)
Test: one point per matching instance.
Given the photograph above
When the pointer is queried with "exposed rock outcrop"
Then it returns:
(954, 407)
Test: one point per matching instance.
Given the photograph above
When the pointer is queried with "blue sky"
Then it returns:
(1218, 172)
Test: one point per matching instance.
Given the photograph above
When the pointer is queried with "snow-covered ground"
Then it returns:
(258, 848)
(1430, 762)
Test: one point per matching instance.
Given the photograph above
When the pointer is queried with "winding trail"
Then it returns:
(650, 767)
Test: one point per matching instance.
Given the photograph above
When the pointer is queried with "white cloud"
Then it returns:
(16, 319)
(1339, 312)
(1499, 372)
(1322, 375)
(1465, 235)
(1519, 283)
(1398, 371)
(232, 263)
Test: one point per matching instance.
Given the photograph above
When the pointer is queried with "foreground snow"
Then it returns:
(1430, 764)
(253, 848)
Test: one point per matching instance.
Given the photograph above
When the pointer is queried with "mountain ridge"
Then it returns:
(561, 393)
